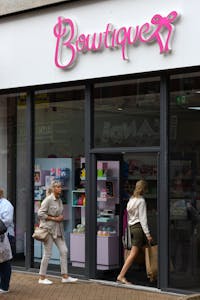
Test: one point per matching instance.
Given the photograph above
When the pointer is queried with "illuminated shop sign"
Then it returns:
(69, 43)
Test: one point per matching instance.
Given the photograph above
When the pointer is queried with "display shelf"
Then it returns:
(107, 251)
(99, 199)
(108, 198)
(105, 220)
(107, 178)
(46, 170)
(131, 177)
(78, 198)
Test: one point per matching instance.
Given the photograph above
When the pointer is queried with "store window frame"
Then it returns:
(162, 183)
(90, 153)
(30, 180)
(63, 88)
(28, 183)
(184, 74)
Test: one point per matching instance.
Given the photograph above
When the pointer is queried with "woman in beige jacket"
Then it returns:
(51, 217)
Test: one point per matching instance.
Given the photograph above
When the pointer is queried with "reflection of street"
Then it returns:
(181, 232)
(184, 253)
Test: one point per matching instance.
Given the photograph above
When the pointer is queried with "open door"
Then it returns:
(115, 182)
(108, 184)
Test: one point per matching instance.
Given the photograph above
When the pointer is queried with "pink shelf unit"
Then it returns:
(107, 251)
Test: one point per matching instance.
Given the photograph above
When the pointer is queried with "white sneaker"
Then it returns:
(69, 280)
(45, 281)
(3, 291)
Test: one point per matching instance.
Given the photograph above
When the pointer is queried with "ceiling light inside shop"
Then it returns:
(194, 107)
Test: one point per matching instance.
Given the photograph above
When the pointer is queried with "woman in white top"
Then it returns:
(137, 220)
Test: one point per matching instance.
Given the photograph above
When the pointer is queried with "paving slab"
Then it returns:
(24, 286)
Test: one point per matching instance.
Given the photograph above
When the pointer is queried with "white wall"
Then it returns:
(12, 6)
(28, 44)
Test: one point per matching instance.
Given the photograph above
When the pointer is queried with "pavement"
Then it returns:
(24, 286)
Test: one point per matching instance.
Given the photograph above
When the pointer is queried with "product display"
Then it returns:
(46, 171)
(107, 220)
(80, 228)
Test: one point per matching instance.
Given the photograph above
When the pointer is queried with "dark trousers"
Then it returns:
(12, 244)
(5, 274)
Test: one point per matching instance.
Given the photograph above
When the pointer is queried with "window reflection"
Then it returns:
(127, 113)
(59, 155)
(13, 165)
(185, 180)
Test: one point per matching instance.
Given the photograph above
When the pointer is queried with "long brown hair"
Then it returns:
(140, 188)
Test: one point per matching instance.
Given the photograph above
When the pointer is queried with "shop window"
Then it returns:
(184, 187)
(127, 113)
(59, 155)
(13, 166)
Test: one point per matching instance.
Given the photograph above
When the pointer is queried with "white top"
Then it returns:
(137, 212)
(6, 215)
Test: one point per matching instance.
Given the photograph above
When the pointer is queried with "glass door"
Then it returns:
(116, 179)
(108, 199)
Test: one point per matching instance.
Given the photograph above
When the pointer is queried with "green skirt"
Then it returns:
(138, 238)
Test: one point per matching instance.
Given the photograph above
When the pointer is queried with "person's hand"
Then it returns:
(150, 239)
(59, 218)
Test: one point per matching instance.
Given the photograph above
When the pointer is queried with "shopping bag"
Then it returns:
(151, 262)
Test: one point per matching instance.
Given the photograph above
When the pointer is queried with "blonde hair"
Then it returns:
(140, 188)
(49, 191)
(55, 184)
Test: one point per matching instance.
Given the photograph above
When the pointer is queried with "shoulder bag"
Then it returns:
(40, 234)
(5, 249)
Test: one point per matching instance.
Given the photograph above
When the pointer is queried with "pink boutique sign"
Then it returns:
(69, 43)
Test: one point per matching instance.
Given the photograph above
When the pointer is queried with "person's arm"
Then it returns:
(55, 219)
(143, 219)
(43, 210)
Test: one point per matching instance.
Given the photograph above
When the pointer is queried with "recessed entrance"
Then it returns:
(116, 179)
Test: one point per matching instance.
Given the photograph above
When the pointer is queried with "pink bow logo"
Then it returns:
(163, 23)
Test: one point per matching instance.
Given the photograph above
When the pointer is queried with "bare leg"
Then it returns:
(130, 259)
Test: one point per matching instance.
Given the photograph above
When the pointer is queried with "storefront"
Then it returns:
(103, 96)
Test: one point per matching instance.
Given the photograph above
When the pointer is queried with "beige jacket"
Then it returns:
(51, 207)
